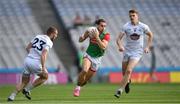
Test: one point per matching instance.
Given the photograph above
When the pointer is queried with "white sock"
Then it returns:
(13, 95)
(120, 89)
(78, 87)
(29, 87)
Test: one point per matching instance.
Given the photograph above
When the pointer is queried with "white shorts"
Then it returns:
(128, 56)
(32, 66)
(95, 62)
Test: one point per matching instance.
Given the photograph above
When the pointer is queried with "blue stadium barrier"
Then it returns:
(103, 71)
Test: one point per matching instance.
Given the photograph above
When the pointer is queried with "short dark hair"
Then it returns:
(50, 30)
(98, 21)
(133, 11)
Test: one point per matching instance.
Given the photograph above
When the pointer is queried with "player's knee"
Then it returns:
(128, 72)
(44, 76)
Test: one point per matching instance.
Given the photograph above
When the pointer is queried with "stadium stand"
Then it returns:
(17, 27)
(161, 15)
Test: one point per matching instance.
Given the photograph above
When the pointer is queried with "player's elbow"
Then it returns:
(44, 54)
(81, 39)
(103, 47)
(150, 34)
(117, 41)
(27, 49)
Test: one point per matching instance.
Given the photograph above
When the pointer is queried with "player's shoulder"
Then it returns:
(45, 38)
(92, 27)
(126, 25)
(39, 36)
(107, 33)
(107, 36)
(143, 25)
(48, 40)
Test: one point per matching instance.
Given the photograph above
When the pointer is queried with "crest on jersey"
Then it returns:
(134, 36)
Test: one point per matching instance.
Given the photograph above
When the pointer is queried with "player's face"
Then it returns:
(54, 35)
(102, 26)
(133, 17)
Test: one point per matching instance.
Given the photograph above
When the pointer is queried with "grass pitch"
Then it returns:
(97, 93)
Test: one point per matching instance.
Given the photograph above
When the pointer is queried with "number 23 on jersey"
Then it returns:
(38, 44)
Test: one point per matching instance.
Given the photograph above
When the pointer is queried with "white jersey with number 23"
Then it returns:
(39, 43)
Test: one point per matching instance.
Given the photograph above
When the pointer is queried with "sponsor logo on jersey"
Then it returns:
(134, 36)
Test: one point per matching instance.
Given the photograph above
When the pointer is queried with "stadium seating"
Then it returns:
(161, 15)
(17, 27)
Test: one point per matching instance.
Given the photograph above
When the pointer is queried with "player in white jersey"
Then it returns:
(34, 63)
(133, 50)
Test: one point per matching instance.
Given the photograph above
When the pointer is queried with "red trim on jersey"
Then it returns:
(91, 69)
(107, 37)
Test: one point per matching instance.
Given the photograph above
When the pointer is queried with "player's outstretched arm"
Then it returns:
(149, 42)
(28, 47)
(119, 42)
(83, 37)
(43, 59)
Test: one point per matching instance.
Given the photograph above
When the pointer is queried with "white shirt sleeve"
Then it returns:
(48, 46)
(146, 29)
(123, 30)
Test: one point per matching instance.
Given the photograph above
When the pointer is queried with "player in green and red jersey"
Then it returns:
(92, 58)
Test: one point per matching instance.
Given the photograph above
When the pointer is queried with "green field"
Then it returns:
(97, 93)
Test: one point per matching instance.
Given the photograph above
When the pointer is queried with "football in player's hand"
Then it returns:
(90, 31)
